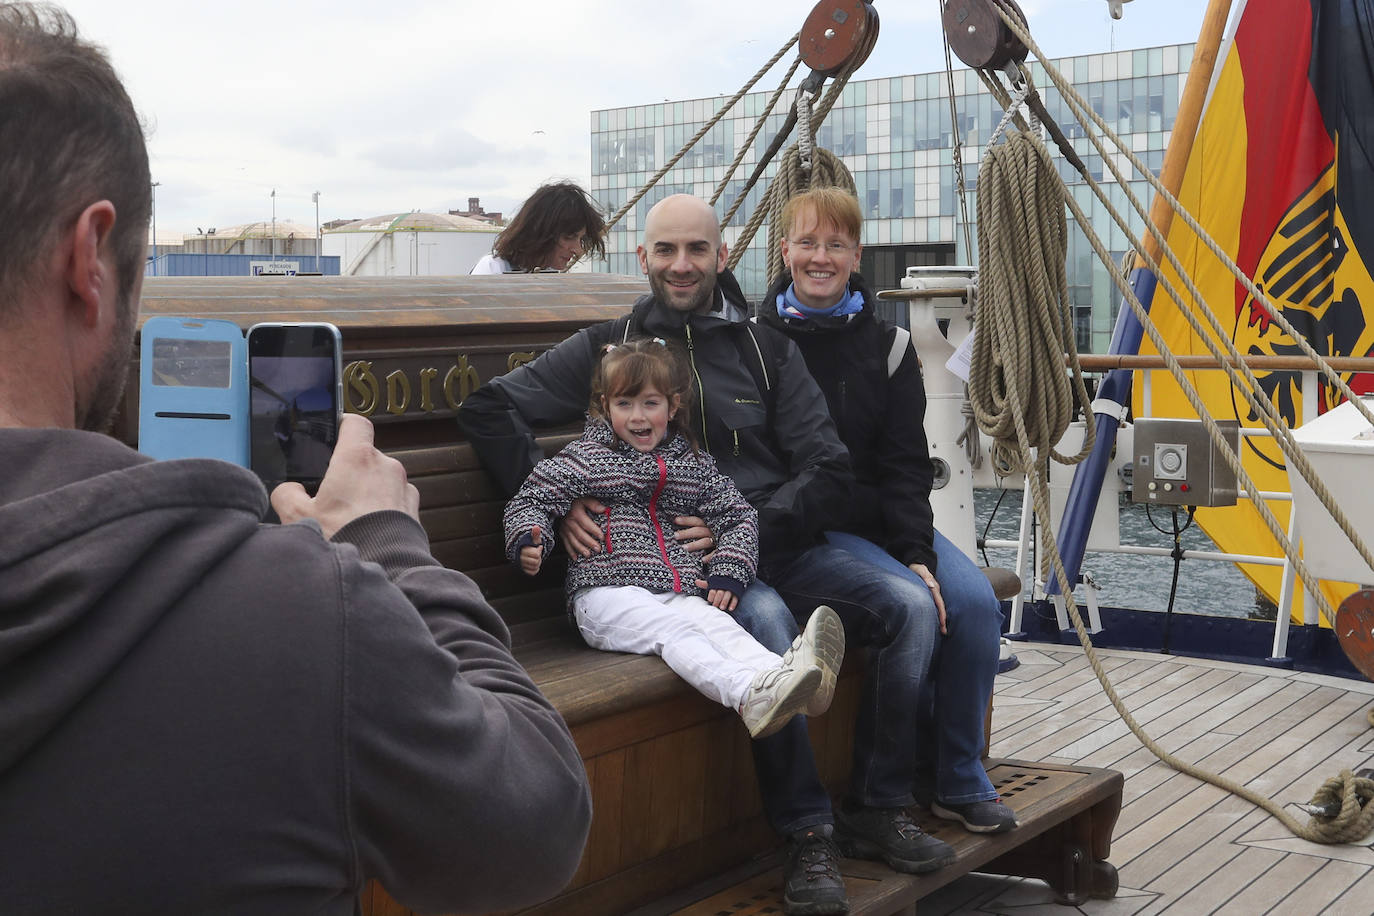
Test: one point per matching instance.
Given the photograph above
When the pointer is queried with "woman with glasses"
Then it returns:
(556, 225)
(877, 400)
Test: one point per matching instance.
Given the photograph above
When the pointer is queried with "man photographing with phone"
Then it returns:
(200, 713)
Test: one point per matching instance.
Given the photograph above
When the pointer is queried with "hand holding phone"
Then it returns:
(294, 373)
(360, 480)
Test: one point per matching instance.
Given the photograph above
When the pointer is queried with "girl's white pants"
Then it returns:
(703, 644)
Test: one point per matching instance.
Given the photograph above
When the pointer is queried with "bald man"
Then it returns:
(762, 417)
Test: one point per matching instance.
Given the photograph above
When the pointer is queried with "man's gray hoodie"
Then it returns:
(203, 714)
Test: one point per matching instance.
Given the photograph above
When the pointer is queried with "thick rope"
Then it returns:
(1025, 321)
(1321, 830)
(1353, 795)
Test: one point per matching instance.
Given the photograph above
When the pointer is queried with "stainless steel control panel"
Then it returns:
(1176, 463)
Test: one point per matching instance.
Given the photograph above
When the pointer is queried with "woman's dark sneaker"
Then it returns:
(979, 817)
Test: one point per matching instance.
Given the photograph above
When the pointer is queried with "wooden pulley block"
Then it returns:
(978, 35)
(1355, 630)
(836, 32)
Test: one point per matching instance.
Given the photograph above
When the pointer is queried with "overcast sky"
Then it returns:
(420, 104)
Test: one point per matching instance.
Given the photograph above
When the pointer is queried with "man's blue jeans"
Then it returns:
(896, 621)
(955, 701)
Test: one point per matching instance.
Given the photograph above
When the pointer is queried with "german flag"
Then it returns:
(1280, 177)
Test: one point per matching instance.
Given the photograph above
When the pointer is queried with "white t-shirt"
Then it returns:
(491, 264)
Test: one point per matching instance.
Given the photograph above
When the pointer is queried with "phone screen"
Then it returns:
(293, 409)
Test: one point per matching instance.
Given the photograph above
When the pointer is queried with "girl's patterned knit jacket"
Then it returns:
(643, 491)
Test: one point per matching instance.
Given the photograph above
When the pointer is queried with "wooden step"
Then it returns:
(1065, 817)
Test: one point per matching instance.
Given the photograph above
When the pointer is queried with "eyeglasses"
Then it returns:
(831, 248)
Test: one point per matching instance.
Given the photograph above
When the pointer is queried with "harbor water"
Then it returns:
(1132, 581)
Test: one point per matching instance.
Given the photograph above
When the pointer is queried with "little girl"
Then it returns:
(643, 592)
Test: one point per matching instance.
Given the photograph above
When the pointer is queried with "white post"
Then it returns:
(1022, 558)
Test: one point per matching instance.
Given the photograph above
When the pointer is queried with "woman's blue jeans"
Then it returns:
(955, 699)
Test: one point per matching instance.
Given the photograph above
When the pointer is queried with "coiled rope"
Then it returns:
(1025, 321)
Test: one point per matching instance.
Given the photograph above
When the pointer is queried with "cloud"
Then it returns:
(423, 103)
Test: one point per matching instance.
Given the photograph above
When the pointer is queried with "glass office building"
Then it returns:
(896, 137)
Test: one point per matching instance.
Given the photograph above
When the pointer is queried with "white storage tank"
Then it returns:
(281, 239)
(1339, 444)
(410, 245)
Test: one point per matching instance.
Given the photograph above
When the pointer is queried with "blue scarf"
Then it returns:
(789, 306)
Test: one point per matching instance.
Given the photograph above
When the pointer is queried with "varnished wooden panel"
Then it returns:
(375, 305)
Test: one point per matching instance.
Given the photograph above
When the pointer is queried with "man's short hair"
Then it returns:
(836, 206)
(69, 136)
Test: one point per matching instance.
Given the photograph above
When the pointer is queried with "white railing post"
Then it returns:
(1022, 557)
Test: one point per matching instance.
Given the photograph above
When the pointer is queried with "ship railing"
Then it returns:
(1145, 365)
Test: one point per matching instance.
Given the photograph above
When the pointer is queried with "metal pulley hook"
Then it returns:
(984, 42)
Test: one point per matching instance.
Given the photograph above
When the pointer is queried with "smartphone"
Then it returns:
(295, 398)
(193, 390)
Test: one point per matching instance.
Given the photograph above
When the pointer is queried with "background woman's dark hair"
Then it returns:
(551, 212)
(629, 368)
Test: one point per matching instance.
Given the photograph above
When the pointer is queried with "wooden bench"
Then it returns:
(677, 823)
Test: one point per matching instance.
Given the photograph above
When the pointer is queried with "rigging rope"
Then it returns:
(748, 144)
(1262, 406)
(701, 133)
(826, 171)
(1025, 320)
(1356, 817)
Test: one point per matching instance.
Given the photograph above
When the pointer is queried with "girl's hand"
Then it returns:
(722, 598)
(532, 556)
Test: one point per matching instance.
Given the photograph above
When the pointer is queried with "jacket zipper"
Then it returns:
(608, 529)
(843, 402)
(736, 432)
(701, 391)
(658, 529)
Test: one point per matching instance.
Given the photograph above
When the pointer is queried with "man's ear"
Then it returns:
(89, 277)
(721, 258)
(643, 259)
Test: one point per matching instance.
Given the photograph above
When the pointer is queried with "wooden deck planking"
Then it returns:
(1274, 884)
(1224, 883)
(1183, 846)
(1331, 890)
(1357, 900)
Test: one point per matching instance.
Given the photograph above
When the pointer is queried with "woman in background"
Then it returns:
(557, 224)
